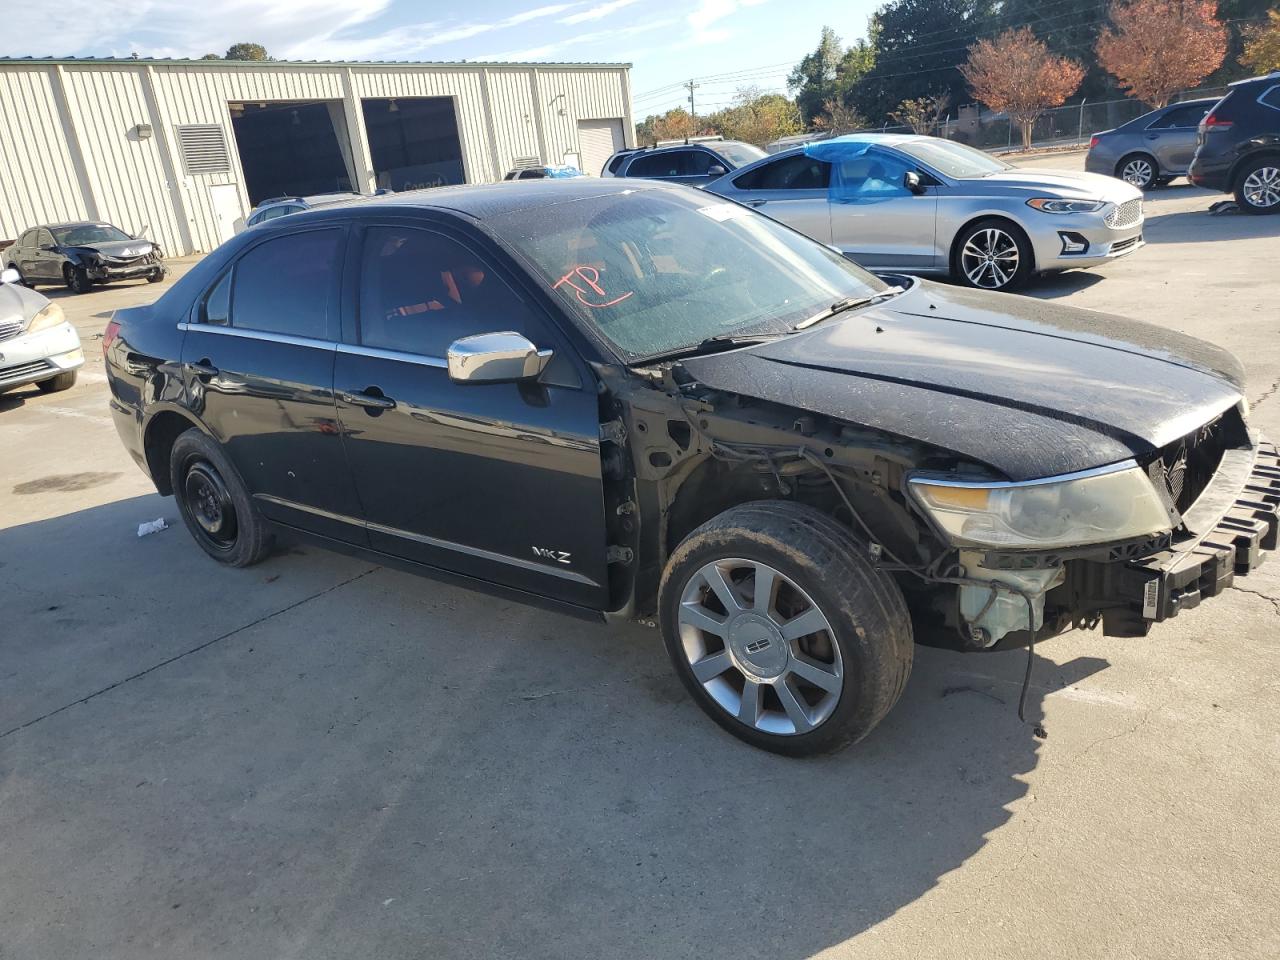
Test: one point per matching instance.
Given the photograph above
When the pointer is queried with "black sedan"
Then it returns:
(82, 254)
(627, 399)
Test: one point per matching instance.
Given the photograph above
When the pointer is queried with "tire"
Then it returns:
(1139, 169)
(63, 381)
(992, 254)
(214, 503)
(1258, 186)
(77, 279)
(156, 275)
(859, 650)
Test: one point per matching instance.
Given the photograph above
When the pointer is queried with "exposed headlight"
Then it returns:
(50, 316)
(1111, 503)
(1051, 205)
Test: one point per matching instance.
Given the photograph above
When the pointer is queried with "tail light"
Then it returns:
(1094, 141)
(109, 335)
(1210, 122)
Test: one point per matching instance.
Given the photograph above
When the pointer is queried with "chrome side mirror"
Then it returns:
(716, 170)
(495, 358)
(10, 275)
(911, 180)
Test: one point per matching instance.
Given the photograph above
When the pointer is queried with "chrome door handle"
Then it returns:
(203, 369)
(367, 400)
(756, 203)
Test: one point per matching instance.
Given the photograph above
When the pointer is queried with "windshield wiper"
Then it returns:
(849, 303)
(721, 341)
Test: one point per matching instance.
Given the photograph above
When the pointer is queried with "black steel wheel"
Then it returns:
(214, 503)
(77, 279)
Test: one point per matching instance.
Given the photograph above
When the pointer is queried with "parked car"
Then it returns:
(638, 401)
(1151, 150)
(694, 164)
(82, 254)
(546, 172)
(924, 205)
(283, 206)
(1238, 149)
(37, 343)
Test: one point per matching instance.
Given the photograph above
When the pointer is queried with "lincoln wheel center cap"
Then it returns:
(757, 646)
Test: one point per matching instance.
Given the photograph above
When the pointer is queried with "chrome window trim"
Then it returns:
(421, 359)
(1263, 103)
(265, 335)
(941, 481)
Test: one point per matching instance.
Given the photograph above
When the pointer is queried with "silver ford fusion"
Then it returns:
(37, 343)
(923, 205)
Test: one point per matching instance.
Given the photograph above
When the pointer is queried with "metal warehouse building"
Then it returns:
(185, 148)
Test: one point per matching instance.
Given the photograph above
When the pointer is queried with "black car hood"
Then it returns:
(1030, 388)
(121, 249)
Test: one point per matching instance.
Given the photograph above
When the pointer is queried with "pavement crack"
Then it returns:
(1275, 601)
(186, 653)
(1266, 394)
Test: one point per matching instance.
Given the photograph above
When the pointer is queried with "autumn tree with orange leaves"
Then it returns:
(1016, 74)
(1158, 47)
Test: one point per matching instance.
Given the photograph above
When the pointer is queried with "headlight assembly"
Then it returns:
(1051, 205)
(50, 316)
(1111, 503)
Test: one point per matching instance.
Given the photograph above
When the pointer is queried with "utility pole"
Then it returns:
(691, 86)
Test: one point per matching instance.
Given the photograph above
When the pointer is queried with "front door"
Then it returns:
(500, 481)
(876, 220)
(258, 366)
(46, 262)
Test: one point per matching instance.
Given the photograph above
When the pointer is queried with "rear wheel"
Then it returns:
(77, 279)
(1138, 169)
(992, 254)
(63, 381)
(214, 503)
(1258, 186)
(782, 631)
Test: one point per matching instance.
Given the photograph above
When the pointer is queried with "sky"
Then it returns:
(722, 44)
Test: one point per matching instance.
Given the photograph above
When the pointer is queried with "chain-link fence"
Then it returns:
(1061, 126)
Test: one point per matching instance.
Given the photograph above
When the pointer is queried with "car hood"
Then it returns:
(123, 249)
(1063, 183)
(19, 304)
(1030, 388)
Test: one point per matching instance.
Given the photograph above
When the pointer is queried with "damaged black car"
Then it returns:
(79, 255)
(626, 400)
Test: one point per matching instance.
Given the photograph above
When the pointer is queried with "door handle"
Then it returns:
(368, 400)
(1153, 136)
(203, 369)
(756, 203)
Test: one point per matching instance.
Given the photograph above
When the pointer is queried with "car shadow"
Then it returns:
(1062, 284)
(318, 756)
(1202, 226)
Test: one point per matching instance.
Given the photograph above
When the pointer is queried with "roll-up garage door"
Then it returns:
(598, 140)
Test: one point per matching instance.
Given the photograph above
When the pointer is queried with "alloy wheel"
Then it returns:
(990, 258)
(1138, 172)
(1262, 187)
(760, 647)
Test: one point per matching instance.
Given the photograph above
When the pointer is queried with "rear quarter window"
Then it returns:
(1271, 98)
(286, 285)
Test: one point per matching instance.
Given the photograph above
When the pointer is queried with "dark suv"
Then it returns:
(689, 163)
(635, 401)
(1238, 150)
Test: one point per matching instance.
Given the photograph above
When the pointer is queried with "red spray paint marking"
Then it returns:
(589, 276)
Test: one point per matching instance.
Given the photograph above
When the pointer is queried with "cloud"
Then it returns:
(599, 11)
(581, 39)
(711, 12)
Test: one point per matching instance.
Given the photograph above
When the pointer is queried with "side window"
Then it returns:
(217, 304)
(798, 172)
(27, 241)
(1271, 98)
(616, 162)
(873, 176)
(698, 162)
(44, 238)
(666, 164)
(420, 291)
(286, 284)
(1180, 117)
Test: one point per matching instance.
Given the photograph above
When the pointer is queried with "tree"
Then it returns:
(211, 56)
(1158, 47)
(813, 81)
(1262, 45)
(923, 113)
(1015, 73)
(246, 51)
(757, 117)
(675, 124)
(838, 117)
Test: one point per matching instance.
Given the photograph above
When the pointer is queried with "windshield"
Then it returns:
(953, 159)
(84, 233)
(658, 271)
(739, 154)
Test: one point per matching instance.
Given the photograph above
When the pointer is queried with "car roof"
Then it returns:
(1273, 75)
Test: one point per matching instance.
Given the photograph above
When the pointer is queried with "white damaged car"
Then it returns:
(37, 343)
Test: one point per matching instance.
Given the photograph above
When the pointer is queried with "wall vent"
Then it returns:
(204, 149)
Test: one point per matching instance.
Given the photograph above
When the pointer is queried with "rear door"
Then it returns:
(258, 366)
(687, 166)
(791, 189)
(1172, 137)
(46, 264)
(496, 481)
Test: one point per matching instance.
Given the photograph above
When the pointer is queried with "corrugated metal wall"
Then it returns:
(69, 146)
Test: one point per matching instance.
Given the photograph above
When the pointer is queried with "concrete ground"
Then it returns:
(319, 758)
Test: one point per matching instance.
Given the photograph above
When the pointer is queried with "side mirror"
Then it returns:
(911, 180)
(10, 275)
(716, 170)
(495, 358)
(48, 248)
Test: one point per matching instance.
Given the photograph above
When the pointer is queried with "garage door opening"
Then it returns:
(413, 142)
(292, 148)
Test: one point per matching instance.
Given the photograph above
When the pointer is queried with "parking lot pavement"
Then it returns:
(317, 757)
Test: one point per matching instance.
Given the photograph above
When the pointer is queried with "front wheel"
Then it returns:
(214, 503)
(156, 275)
(1258, 186)
(78, 280)
(781, 629)
(993, 255)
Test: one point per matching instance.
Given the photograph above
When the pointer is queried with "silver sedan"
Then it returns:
(923, 205)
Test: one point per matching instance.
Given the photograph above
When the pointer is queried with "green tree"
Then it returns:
(211, 56)
(246, 51)
(813, 81)
(756, 117)
(1262, 45)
